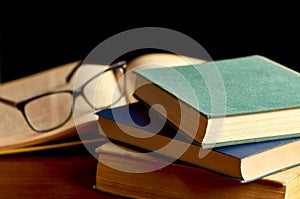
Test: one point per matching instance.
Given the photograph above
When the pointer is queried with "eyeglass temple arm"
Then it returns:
(112, 67)
(117, 65)
(70, 75)
(8, 102)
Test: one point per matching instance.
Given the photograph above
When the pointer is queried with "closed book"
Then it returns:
(131, 124)
(225, 102)
(179, 180)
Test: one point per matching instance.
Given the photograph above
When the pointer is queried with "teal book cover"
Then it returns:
(253, 98)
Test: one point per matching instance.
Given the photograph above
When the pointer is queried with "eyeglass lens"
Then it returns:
(53, 110)
(103, 91)
(49, 111)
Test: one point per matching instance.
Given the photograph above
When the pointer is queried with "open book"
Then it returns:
(15, 133)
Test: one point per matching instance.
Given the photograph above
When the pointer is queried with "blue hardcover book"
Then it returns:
(134, 124)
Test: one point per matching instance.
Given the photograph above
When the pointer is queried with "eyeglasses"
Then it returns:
(51, 110)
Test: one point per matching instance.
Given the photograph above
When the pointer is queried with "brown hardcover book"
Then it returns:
(178, 180)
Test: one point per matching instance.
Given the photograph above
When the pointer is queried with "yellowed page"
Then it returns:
(154, 60)
(15, 132)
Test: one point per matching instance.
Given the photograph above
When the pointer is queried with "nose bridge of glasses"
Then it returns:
(79, 92)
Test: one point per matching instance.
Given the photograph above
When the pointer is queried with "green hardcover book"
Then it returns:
(225, 102)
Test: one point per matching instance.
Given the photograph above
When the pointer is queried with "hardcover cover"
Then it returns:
(185, 181)
(252, 84)
(139, 117)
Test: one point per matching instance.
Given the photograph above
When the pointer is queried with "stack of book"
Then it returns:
(228, 129)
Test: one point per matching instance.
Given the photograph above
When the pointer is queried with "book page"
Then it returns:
(14, 130)
(154, 60)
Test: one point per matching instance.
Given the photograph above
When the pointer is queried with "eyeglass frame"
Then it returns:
(75, 93)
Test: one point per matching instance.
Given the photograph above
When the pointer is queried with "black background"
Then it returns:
(35, 42)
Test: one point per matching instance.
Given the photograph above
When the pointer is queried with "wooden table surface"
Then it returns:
(60, 173)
